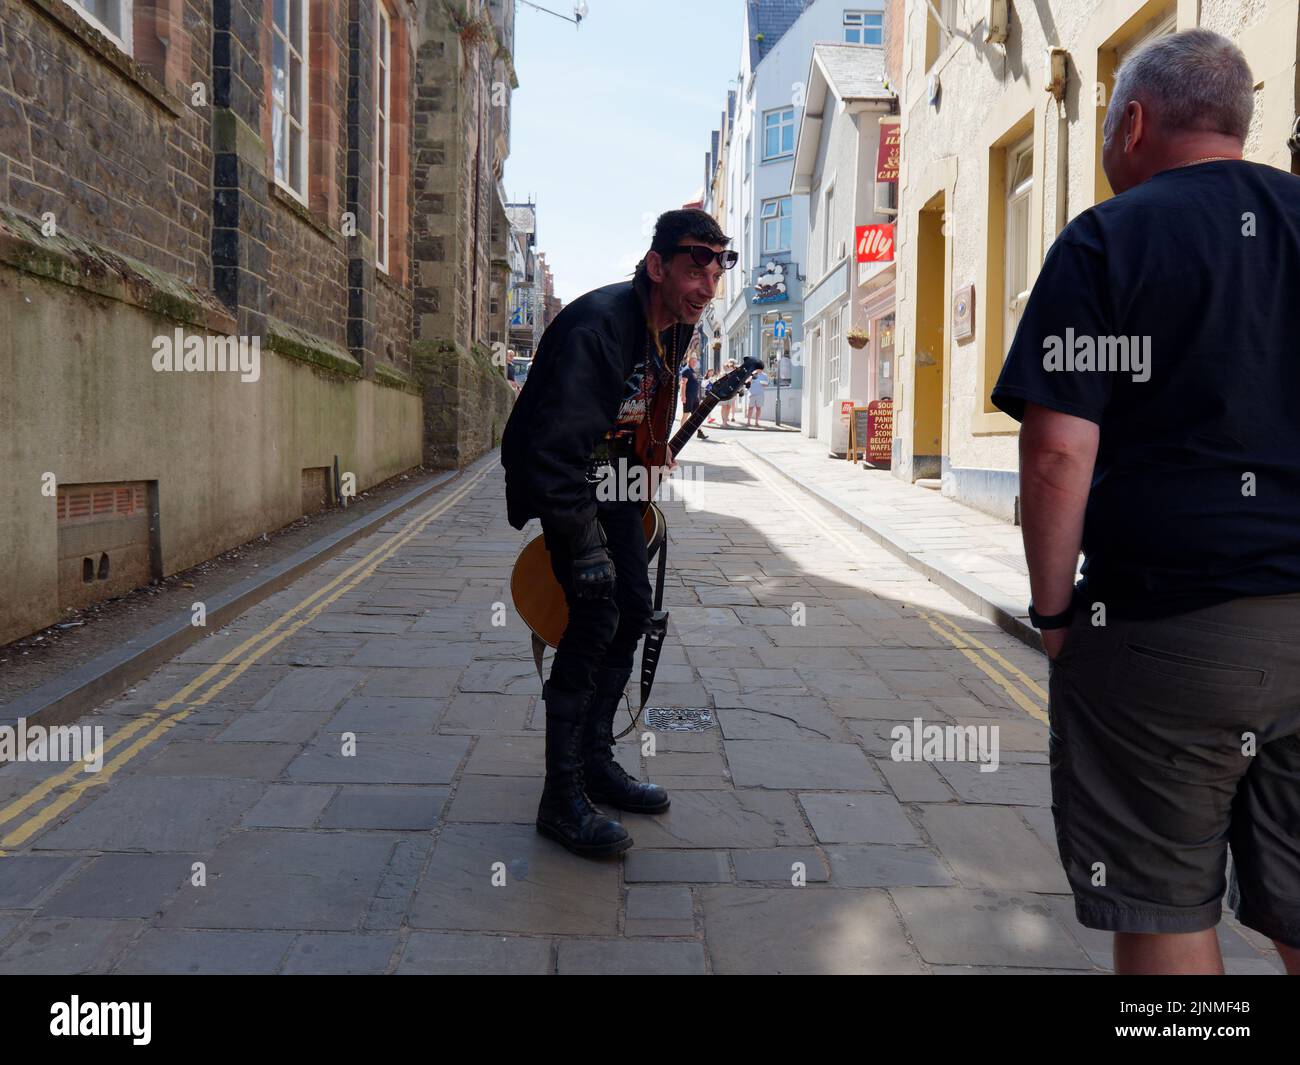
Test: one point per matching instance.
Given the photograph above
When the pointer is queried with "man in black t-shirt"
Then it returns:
(1156, 373)
(691, 390)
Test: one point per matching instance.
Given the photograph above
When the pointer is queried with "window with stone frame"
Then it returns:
(1019, 201)
(940, 28)
(383, 131)
(289, 95)
(111, 17)
(152, 32)
(393, 108)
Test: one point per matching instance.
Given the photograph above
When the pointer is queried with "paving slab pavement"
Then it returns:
(354, 789)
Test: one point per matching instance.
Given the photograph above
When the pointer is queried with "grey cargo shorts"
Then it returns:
(1169, 741)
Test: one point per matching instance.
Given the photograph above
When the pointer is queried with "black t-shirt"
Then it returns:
(1186, 289)
(692, 379)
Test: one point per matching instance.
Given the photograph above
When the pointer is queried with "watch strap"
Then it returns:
(1051, 621)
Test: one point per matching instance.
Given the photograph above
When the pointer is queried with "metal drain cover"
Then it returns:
(679, 718)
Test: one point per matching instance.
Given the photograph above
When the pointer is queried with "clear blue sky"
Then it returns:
(610, 124)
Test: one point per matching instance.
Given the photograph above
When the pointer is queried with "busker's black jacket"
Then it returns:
(570, 399)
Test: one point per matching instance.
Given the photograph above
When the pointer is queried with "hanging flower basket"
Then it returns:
(858, 338)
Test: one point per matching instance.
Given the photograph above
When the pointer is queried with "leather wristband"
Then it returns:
(1044, 622)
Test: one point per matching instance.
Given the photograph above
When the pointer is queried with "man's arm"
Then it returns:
(1057, 454)
(579, 407)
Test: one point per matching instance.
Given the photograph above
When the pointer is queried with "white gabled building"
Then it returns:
(834, 170)
(762, 297)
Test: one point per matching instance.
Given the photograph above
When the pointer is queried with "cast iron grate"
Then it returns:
(679, 718)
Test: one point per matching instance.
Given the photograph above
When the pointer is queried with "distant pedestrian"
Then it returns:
(709, 377)
(754, 400)
(691, 390)
(726, 408)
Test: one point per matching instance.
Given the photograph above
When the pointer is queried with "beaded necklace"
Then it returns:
(665, 377)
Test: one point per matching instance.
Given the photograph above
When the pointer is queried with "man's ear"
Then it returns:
(1136, 126)
(654, 267)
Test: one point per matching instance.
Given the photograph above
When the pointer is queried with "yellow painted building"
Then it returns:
(994, 165)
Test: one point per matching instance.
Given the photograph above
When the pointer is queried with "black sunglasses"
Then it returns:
(702, 255)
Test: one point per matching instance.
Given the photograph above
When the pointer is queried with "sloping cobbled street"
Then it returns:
(235, 827)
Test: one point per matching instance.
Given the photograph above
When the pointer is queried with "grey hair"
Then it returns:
(1196, 80)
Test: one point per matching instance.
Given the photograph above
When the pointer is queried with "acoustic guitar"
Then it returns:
(538, 596)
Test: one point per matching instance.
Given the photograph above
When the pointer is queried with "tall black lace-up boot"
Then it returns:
(607, 781)
(565, 814)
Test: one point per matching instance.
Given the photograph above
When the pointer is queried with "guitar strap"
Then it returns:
(657, 629)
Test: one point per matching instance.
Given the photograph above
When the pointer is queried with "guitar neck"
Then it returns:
(692, 424)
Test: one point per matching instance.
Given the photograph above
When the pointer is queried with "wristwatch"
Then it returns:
(1051, 621)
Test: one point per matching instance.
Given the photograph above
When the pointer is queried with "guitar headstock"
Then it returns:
(728, 385)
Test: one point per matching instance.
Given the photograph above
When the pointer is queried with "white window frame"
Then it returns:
(781, 125)
(744, 249)
(856, 27)
(828, 227)
(292, 127)
(383, 131)
(1017, 236)
(126, 15)
(777, 213)
(749, 153)
(832, 382)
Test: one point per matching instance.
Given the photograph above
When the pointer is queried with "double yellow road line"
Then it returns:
(1004, 674)
(131, 739)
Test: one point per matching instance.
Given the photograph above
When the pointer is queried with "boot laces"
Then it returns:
(604, 757)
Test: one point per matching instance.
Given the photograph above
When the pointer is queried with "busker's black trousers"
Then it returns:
(603, 632)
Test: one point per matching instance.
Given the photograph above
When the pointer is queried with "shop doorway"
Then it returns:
(931, 341)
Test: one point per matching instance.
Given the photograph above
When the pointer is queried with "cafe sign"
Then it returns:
(887, 153)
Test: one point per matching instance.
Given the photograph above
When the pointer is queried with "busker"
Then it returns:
(602, 391)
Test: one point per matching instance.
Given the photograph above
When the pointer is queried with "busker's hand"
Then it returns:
(1054, 640)
(593, 572)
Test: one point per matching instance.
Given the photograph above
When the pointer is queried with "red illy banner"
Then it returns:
(875, 244)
